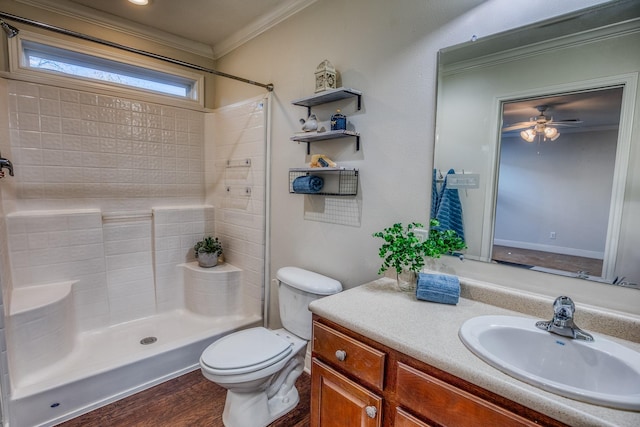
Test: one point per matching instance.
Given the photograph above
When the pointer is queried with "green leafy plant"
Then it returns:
(208, 245)
(403, 249)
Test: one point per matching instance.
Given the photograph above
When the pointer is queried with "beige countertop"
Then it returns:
(429, 332)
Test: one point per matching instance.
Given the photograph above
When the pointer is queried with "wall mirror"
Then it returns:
(548, 116)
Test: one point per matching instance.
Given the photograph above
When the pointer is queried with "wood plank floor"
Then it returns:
(547, 259)
(190, 400)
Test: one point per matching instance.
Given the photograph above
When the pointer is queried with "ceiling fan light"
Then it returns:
(528, 135)
(551, 133)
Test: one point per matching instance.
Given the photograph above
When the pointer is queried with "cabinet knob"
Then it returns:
(371, 411)
(341, 355)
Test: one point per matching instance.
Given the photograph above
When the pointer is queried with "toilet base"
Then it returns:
(255, 410)
(263, 406)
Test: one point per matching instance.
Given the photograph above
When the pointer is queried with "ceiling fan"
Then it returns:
(540, 125)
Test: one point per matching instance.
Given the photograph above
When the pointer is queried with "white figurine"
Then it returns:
(309, 125)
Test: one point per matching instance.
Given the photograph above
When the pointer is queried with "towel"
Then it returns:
(449, 213)
(307, 184)
(434, 195)
(441, 288)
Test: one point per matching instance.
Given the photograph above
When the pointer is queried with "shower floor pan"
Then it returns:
(112, 363)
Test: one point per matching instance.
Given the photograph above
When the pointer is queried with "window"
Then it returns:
(60, 59)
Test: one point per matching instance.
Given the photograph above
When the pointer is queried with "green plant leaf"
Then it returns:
(403, 250)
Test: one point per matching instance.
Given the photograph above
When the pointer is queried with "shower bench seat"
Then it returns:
(29, 298)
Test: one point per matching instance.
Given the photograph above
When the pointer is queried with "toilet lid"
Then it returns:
(246, 351)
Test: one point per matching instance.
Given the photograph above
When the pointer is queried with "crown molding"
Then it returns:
(545, 47)
(108, 21)
(259, 26)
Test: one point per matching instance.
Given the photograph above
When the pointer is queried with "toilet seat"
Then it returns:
(245, 351)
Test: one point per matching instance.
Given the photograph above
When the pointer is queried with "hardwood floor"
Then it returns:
(189, 400)
(526, 257)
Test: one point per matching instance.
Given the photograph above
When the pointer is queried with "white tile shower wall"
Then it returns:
(176, 231)
(5, 284)
(56, 246)
(129, 265)
(78, 149)
(239, 133)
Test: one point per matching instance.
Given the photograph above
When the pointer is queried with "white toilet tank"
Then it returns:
(297, 288)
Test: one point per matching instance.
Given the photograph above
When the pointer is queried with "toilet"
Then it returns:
(259, 366)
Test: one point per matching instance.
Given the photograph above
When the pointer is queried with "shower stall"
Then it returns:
(101, 294)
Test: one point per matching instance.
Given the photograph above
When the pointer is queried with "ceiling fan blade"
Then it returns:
(566, 125)
(567, 121)
(518, 126)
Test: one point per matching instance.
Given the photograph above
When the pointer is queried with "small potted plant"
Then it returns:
(405, 251)
(207, 251)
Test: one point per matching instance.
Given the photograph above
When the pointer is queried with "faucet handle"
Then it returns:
(6, 163)
(562, 322)
(563, 308)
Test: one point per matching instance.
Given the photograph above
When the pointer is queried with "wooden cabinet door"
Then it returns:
(336, 401)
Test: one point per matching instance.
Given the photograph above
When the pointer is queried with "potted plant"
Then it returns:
(207, 251)
(405, 251)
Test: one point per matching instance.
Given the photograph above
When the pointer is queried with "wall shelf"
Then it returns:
(310, 137)
(345, 182)
(327, 96)
(324, 97)
(337, 181)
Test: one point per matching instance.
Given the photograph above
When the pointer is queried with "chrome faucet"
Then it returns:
(562, 322)
(6, 163)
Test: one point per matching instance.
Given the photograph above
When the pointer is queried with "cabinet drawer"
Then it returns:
(365, 362)
(448, 405)
(404, 419)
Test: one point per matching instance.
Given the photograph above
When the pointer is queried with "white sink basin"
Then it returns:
(601, 372)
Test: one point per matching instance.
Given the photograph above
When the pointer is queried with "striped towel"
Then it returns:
(449, 212)
(434, 195)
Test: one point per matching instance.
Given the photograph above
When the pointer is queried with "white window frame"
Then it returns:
(20, 69)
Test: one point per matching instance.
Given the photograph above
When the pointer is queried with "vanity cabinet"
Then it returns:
(356, 381)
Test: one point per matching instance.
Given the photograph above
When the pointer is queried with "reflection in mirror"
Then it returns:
(577, 194)
(569, 139)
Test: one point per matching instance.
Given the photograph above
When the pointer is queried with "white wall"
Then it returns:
(531, 204)
(387, 50)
